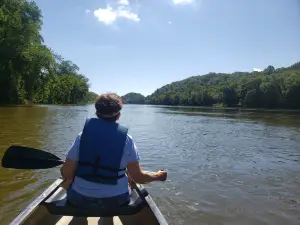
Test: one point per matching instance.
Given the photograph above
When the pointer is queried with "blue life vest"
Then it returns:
(101, 149)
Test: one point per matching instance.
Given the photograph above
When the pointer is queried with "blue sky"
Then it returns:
(140, 45)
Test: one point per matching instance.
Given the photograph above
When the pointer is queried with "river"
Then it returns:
(226, 166)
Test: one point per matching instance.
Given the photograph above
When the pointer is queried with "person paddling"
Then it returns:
(96, 164)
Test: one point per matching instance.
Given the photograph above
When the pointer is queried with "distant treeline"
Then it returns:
(271, 88)
(29, 70)
(133, 98)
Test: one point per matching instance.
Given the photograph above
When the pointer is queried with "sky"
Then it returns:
(140, 45)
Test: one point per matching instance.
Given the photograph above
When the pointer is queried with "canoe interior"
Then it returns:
(37, 213)
(42, 216)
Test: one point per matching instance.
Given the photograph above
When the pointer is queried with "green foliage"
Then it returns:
(252, 99)
(67, 89)
(269, 70)
(91, 97)
(230, 97)
(133, 98)
(272, 88)
(29, 70)
(291, 91)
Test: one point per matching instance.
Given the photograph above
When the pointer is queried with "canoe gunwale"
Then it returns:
(36, 202)
(157, 213)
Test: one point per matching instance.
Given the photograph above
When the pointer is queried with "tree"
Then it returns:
(91, 97)
(20, 38)
(268, 89)
(133, 98)
(269, 70)
(29, 70)
(252, 99)
(291, 91)
(230, 97)
(271, 98)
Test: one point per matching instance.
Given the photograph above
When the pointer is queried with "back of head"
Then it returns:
(108, 106)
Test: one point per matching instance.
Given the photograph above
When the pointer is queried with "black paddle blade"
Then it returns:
(20, 157)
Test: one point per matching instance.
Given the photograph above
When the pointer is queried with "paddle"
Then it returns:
(20, 157)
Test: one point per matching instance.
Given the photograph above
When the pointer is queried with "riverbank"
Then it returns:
(221, 108)
(37, 104)
(191, 108)
(30, 104)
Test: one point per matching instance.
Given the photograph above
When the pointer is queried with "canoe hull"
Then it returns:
(38, 212)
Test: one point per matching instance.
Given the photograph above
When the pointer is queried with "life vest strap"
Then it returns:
(95, 165)
(95, 176)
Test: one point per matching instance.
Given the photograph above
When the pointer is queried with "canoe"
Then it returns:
(51, 208)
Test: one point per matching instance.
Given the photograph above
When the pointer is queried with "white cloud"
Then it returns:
(106, 16)
(257, 70)
(170, 22)
(109, 15)
(182, 2)
(128, 15)
(123, 2)
(87, 11)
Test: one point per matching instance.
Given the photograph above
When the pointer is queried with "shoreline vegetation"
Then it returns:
(269, 89)
(30, 71)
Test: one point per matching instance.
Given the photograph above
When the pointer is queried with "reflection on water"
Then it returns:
(226, 166)
(270, 117)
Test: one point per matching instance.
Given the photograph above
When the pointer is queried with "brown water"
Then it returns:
(225, 166)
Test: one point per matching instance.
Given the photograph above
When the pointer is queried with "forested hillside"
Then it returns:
(29, 70)
(271, 88)
(91, 97)
(133, 98)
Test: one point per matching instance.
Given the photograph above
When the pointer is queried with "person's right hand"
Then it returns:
(162, 175)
